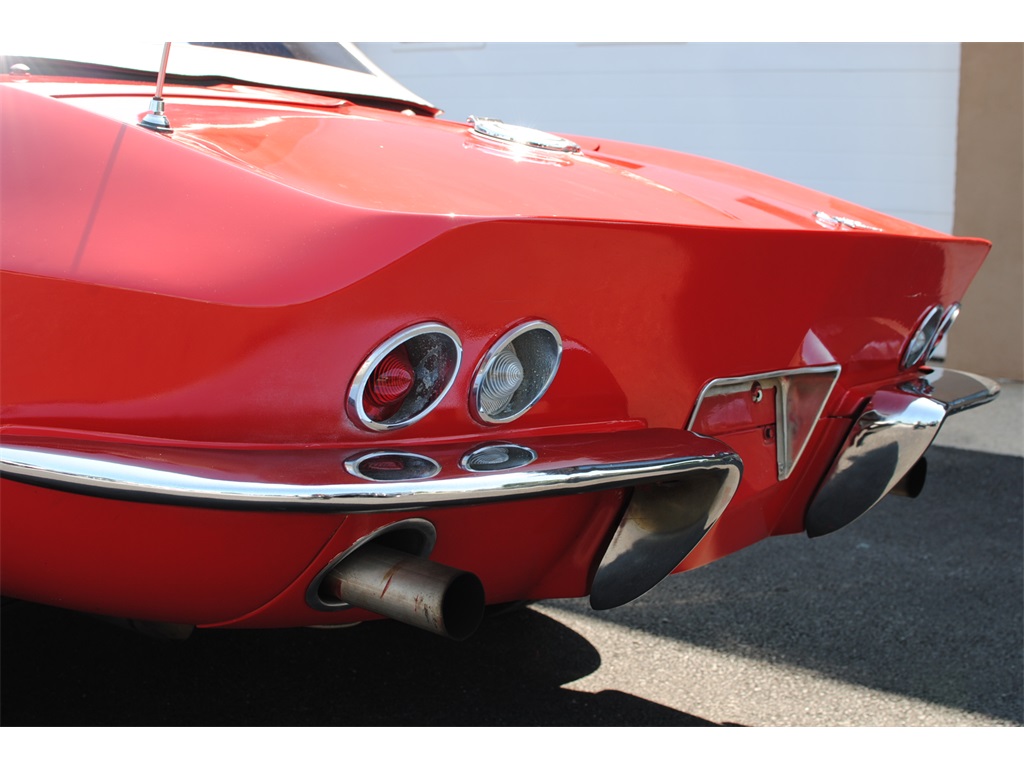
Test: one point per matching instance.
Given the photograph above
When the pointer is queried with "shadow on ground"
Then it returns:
(920, 597)
(63, 669)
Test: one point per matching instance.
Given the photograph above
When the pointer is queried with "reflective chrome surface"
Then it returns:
(947, 322)
(538, 349)
(661, 526)
(893, 433)
(155, 119)
(800, 397)
(518, 134)
(260, 479)
(435, 337)
(956, 390)
(841, 222)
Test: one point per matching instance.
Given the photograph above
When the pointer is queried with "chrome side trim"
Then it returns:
(800, 397)
(896, 428)
(252, 479)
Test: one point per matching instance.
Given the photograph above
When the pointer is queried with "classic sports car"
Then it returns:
(283, 348)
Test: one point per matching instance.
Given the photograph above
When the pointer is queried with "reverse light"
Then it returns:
(405, 377)
(923, 338)
(516, 372)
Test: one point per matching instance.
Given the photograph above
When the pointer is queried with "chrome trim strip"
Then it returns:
(794, 429)
(896, 428)
(956, 391)
(136, 479)
(355, 393)
(947, 322)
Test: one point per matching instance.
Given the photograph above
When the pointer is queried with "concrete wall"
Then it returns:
(989, 336)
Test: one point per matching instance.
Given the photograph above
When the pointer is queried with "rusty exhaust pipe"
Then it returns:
(409, 589)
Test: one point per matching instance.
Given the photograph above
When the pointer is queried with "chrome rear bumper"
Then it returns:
(892, 434)
(331, 480)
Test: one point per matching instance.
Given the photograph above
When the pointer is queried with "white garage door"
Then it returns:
(874, 123)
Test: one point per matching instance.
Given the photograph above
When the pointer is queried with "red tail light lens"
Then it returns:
(388, 385)
(405, 377)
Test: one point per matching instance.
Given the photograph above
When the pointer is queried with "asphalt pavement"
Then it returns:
(912, 615)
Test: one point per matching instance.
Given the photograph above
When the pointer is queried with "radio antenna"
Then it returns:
(155, 119)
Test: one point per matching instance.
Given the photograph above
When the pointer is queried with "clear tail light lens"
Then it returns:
(923, 338)
(503, 379)
(515, 372)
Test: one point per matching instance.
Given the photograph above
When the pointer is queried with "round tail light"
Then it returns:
(515, 372)
(923, 338)
(405, 377)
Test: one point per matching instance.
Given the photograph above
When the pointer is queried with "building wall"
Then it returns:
(989, 337)
(871, 123)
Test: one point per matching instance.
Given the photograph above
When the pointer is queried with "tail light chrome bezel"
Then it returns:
(947, 322)
(425, 338)
(542, 356)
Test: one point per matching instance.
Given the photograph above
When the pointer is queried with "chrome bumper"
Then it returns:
(895, 430)
(322, 480)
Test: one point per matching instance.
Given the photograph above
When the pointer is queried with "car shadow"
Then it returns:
(64, 669)
(920, 597)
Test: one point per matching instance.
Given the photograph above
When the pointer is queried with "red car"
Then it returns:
(283, 348)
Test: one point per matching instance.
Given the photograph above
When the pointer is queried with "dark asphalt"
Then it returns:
(922, 598)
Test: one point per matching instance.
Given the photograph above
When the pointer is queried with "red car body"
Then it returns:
(190, 319)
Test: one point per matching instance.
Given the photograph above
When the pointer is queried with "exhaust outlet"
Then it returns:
(912, 483)
(409, 589)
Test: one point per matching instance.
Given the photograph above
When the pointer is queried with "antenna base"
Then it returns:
(155, 119)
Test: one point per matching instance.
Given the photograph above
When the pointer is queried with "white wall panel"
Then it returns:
(874, 123)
